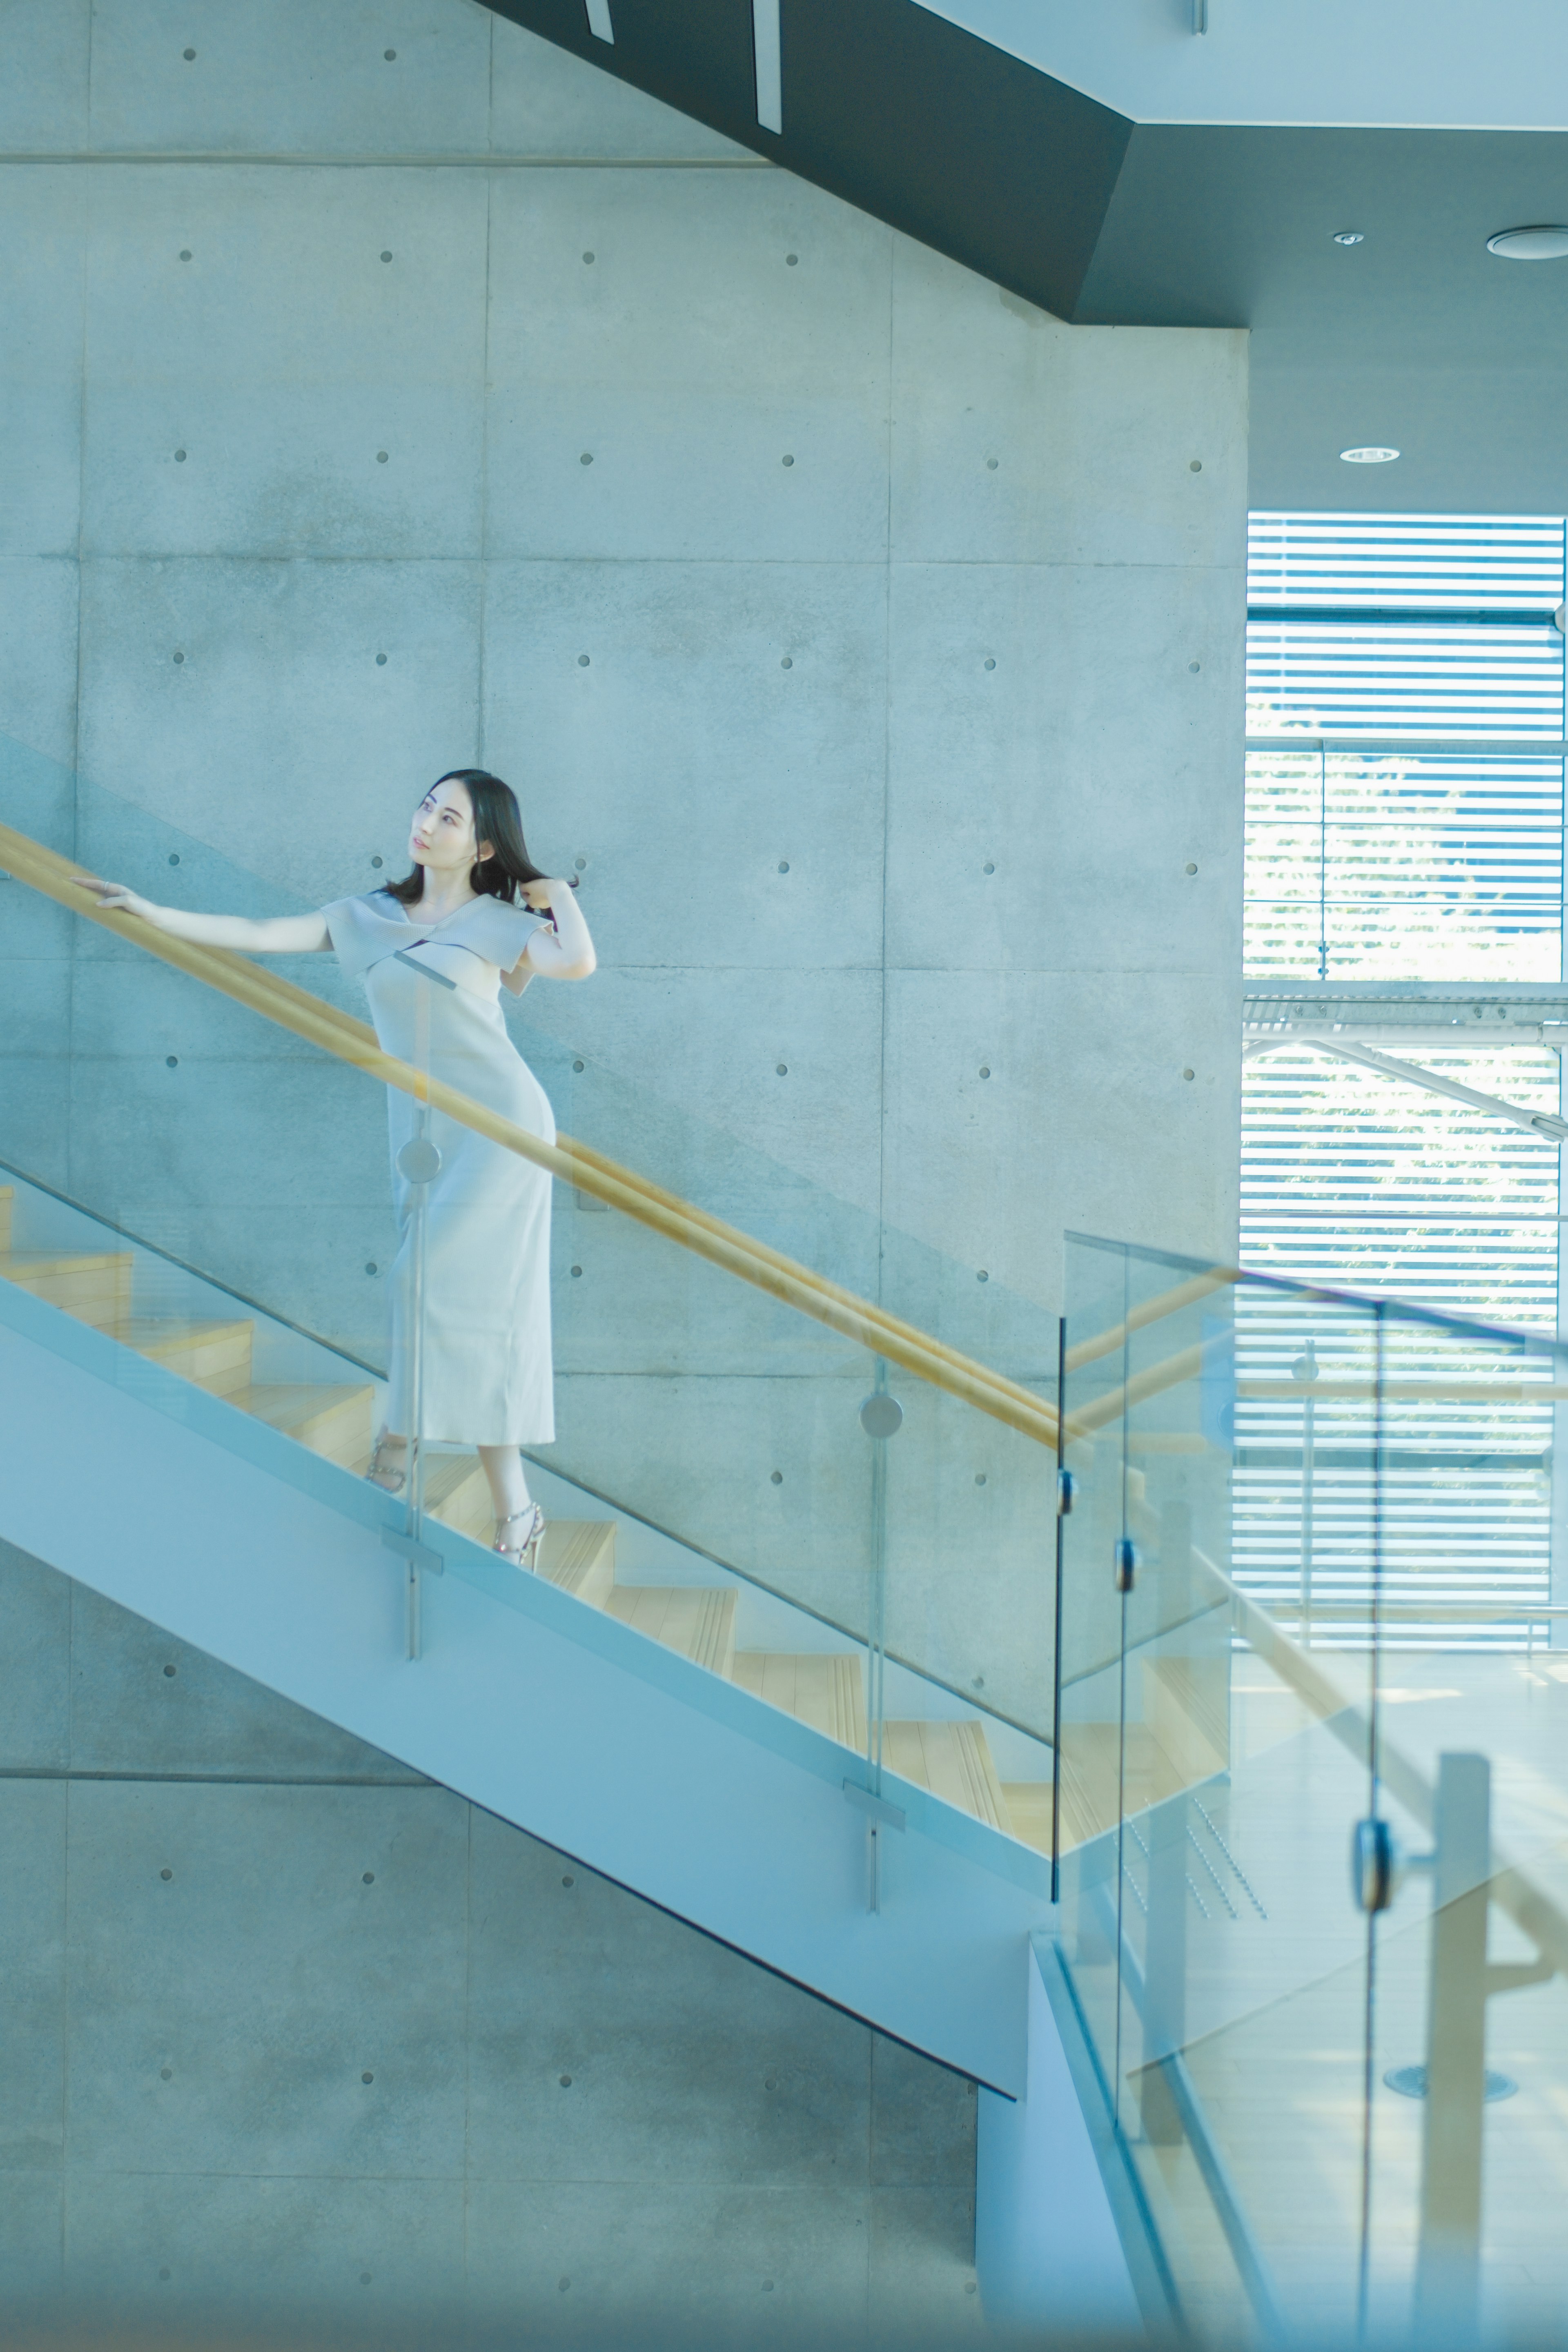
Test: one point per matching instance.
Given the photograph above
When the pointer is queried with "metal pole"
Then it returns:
(1448, 2264)
(1165, 1969)
(881, 1416)
(1063, 1505)
(419, 1162)
(1306, 1368)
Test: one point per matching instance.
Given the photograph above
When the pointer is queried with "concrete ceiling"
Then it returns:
(1415, 64)
(1107, 162)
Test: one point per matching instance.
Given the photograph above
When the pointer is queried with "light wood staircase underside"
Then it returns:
(1181, 1743)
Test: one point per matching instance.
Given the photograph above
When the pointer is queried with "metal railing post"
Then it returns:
(1447, 2266)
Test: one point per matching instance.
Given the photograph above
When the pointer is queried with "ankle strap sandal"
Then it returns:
(519, 1535)
(382, 1474)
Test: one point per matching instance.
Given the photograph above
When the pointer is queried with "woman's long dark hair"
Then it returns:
(498, 821)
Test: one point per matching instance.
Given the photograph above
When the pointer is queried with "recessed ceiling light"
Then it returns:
(1368, 456)
(1350, 237)
(1543, 243)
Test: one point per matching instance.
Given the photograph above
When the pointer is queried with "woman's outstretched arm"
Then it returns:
(281, 934)
(564, 953)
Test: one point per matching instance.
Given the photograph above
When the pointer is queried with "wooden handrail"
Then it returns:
(1152, 1310)
(766, 1269)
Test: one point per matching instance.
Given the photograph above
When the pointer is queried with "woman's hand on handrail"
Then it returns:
(279, 935)
(564, 953)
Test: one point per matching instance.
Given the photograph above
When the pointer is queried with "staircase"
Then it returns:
(825, 1690)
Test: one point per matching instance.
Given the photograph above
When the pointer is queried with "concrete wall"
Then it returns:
(201, 1977)
(869, 641)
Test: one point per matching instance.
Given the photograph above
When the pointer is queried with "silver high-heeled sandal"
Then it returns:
(381, 1473)
(523, 1551)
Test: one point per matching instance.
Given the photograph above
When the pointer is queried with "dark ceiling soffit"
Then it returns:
(892, 108)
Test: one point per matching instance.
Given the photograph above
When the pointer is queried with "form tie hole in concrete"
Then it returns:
(780, 1069)
(179, 457)
(185, 253)
(370, 1265)
(380, 661)
(582, 661)
(390, 55)
(376, 863)
(777, 1478)
(171, 1672)
(568, 1880)
(1194, 667)
(788, 662)
(165, 1874)
(179, 659)
(368, 1877)
(171, 1061)
(165, 2074)
(586, 458)
(792, 260)
(988, 868)
(1194, 465)
(173, 857)
(990, 661)
(985, 1070)
(190, 56)
(1192, 869)
(789, 461)
(562, 2286)
(983, 1275)
(577, 1274)
(767, 2286)
(980, 1478)
(381, 456)
(783, 864)
(579, 1067)
(978, 1684)
(386, 257)
(1187, 1074)
(566, 2082)
(991, 465)
(579, 866)
(588, 257)
(770, 2083)
(164, 2274)
(365, 2278)
(367, 2078)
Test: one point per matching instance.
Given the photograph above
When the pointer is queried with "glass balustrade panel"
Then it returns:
(1212, 1936)
(1469, 2072)
(718, 1426)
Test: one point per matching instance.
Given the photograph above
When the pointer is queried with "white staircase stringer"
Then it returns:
(551, 1714)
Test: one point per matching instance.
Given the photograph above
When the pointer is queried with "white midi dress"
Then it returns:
(486, 1375)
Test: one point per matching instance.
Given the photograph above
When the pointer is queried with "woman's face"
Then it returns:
(442, 835)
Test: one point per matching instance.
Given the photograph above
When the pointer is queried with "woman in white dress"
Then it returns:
(433, 952)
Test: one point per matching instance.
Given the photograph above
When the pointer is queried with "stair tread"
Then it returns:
(447, 1474)
(22, 1266)
(211, 1355)
(1097, 1760)
(579, 1555)
(1029, 1810)
(285, 1404)
(825, 1688)
(953, 1760)
(145, 1331)
(698, 1619)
